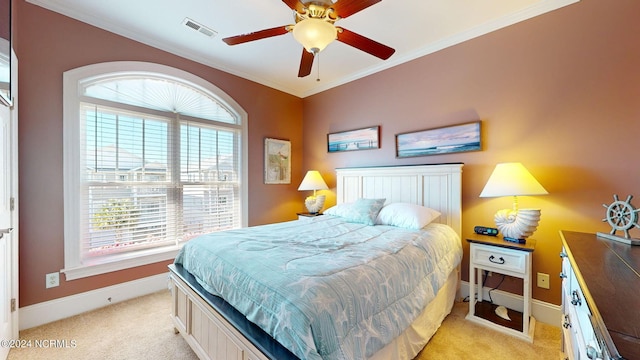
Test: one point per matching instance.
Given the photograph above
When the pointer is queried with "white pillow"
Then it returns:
(362, 211)
(405, 215)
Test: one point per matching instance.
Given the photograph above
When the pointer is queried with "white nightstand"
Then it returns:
(502, 257)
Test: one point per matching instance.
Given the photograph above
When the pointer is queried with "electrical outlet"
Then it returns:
(52, 280)
(543, 280)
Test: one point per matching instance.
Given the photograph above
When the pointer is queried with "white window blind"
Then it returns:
(209, 179)
(151, 160)
(138, 195)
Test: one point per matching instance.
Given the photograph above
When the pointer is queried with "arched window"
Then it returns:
(153, 157)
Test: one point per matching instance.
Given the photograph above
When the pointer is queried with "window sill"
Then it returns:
(116, 262)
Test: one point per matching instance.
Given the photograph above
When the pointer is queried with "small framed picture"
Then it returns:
(277, 161)
(442, 140)
(359, 139)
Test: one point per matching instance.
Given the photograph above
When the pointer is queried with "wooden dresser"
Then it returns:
(601, 298)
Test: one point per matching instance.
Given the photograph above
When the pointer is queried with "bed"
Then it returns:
(322, 288)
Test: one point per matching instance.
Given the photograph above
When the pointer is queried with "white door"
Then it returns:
(8, 220)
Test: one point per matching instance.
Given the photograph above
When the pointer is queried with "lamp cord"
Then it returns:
(497, 286)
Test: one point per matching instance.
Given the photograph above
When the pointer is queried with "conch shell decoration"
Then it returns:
(314, 203)
(517, 224)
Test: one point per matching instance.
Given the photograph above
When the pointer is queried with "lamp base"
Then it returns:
(314, 203)
(517, 225)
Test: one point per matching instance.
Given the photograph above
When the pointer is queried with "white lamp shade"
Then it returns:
(314, 34)
(512, 179)
(313, 181)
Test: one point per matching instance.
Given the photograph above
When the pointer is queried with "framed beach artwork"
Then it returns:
(359, 139)
(443, 140)
(277, 161)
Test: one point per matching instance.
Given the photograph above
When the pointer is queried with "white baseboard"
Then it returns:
(543, 311)
(49, 311)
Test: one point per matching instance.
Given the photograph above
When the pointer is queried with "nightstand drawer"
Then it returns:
(500, 259)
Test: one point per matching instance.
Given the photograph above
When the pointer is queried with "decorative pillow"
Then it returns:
(362, 211)
(405, 215)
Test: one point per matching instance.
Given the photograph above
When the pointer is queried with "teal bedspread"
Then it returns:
(325, 288)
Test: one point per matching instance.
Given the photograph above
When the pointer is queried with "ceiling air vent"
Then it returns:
(199, 27)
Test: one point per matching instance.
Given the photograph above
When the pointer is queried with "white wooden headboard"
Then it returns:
(435, 186)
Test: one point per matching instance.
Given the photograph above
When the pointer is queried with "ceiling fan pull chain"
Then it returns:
(317, 54)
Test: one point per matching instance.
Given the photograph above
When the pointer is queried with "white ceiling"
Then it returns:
(413, 27)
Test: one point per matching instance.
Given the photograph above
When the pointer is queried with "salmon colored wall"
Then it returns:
(47, 44)
(559, 93)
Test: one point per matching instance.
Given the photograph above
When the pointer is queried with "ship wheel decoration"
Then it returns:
(622, 216)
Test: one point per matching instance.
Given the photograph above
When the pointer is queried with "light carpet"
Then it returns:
(458, 338)
(141, 329)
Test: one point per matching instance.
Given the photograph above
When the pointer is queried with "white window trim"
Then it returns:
(73, 266)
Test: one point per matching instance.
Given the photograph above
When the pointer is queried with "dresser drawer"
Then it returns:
(572, 340)
(499, 259)
(579, 337)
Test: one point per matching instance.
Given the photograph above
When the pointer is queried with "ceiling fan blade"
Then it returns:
(365, 44)
(305, 63)
(256, 35)
(345, 8)
(295, 5)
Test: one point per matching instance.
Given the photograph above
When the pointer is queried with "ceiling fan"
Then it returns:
(315, 29)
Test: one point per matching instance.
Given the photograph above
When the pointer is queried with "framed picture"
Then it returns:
(359, 139)
(443, 140)
(277, 161)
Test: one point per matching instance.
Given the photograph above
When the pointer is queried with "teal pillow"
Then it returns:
(361, 211)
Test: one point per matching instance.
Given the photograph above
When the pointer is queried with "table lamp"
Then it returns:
(513, 179)
(313, 181)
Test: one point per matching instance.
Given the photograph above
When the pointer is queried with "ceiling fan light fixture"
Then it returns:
(314, 34)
